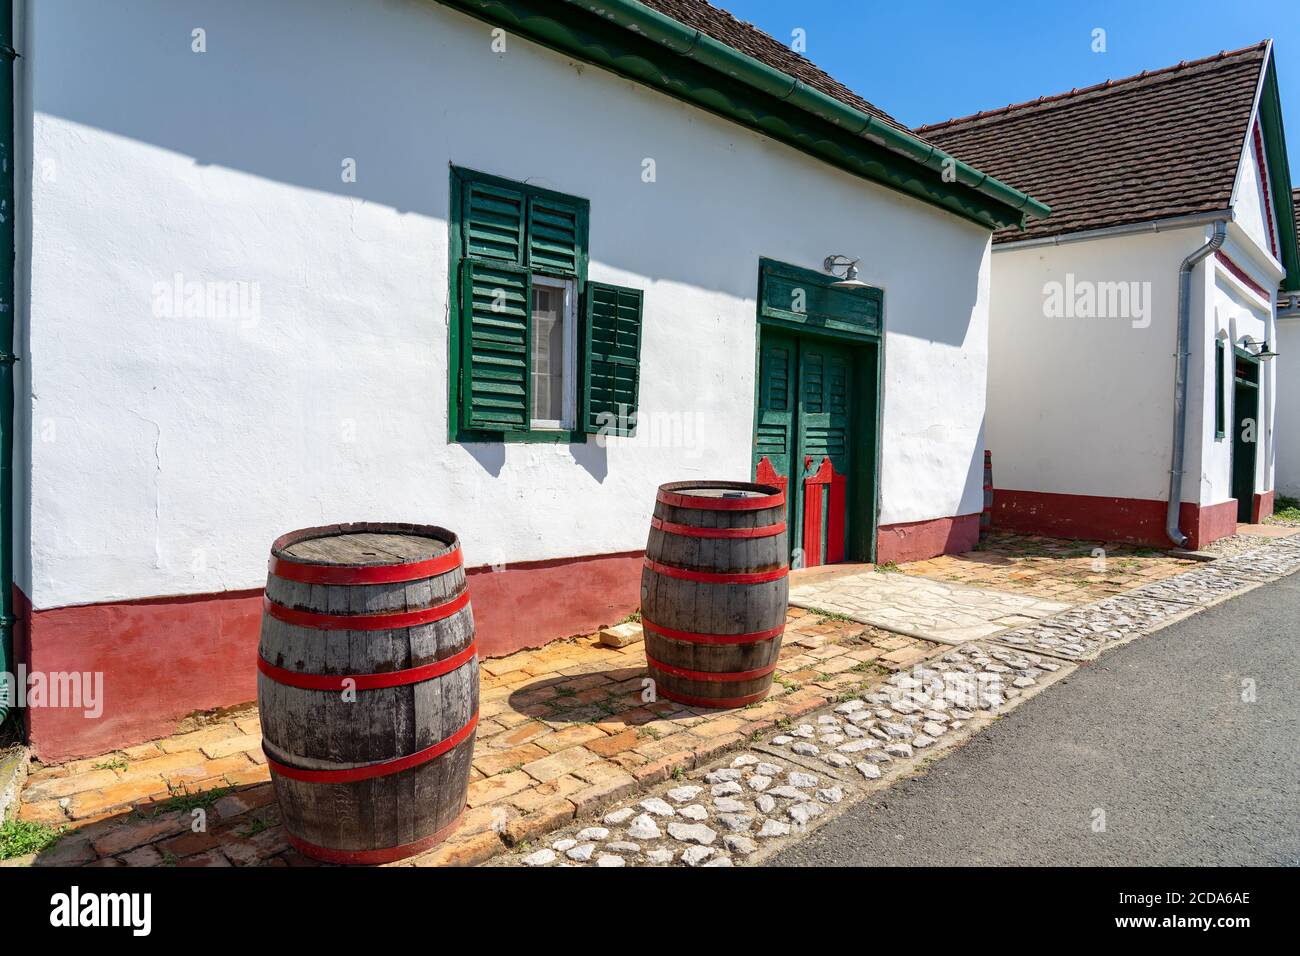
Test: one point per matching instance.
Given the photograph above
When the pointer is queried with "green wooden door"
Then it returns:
(1245, 438)
(825, 430)
(775, 430)
(803, 439)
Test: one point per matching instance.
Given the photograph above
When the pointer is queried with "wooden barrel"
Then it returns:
(368, 688)
(714, 591)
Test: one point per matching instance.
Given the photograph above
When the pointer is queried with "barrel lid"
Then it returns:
(721, 495)
(421, 550)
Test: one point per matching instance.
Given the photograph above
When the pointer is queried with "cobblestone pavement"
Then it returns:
(564, 735)
(1083, 633)
(1076, 572)
(741, 809)
(1269, 559)
(562, 732)
(1239, 543)
(934, 610)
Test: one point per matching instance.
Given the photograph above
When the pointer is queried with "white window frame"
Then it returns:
(569, 317)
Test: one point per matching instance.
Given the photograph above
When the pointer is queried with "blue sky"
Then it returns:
(931, 60)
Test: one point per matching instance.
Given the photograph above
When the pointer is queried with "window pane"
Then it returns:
(548, 354)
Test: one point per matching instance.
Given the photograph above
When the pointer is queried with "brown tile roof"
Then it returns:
(750, 40)
(1160, 144)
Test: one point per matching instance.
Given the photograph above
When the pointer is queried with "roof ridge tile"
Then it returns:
(1106, 85)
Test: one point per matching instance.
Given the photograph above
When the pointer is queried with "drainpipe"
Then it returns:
(1183, 356)
(7, 359)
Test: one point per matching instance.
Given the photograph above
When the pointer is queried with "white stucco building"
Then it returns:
(438, 282)
(1181, 165)
(1288, 383)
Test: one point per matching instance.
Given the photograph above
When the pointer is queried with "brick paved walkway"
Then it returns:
(562, 733)
(1069, 571)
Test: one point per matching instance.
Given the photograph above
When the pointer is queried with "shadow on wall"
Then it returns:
(292, 90)
(591, 457)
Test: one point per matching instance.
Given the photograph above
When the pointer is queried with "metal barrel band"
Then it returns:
(388, 620)
(690, 531)
(380, 855)
(305, 573)
(411, 675)
(722, 676)
(697, 638)
(707, 503)
(691, 700)
(718, 577)
(383, 768)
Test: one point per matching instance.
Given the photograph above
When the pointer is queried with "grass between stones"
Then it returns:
(1286, 511)
(19, 838)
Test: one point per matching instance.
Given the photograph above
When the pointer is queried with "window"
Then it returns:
(538, 352)
(552, 352)
(1220, 376)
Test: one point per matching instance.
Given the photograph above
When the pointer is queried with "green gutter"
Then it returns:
(629, 38)
(7, 55)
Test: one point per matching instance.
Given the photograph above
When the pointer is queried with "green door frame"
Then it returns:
(804, 303)
(1242, 450)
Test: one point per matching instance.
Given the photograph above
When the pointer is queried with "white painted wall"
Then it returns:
(1252, 205)
(1079, 405)
(1287, 383)
(1085, 406)
(1235, 312)
(178, 448)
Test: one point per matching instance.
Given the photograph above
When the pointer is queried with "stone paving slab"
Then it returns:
(742, 809)
(921, 607)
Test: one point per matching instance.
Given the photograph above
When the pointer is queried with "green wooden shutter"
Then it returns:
(494, 222)
(613, 359)
(556, 235)
(496, 312)
(1220, 400)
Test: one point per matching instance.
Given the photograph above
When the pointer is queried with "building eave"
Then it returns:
(1269, 112)
(633, 41)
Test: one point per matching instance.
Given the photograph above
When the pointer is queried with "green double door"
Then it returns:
(812, 405)
(1245, 437)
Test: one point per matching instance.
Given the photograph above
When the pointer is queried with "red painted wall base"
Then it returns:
(166, 658)
(1096, 518)
(528, 605)
(1263, 506)
(918, 540)
(163, 659)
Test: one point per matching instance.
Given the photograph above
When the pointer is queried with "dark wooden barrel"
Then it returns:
(368, 688)
(714, 591)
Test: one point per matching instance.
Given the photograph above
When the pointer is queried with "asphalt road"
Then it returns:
(1154, 733)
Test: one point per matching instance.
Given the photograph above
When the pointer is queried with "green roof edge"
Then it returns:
(719, 78)
(1279, 173)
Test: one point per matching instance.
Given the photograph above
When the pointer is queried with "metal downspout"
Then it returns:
(7, 359)
(1180, 379)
